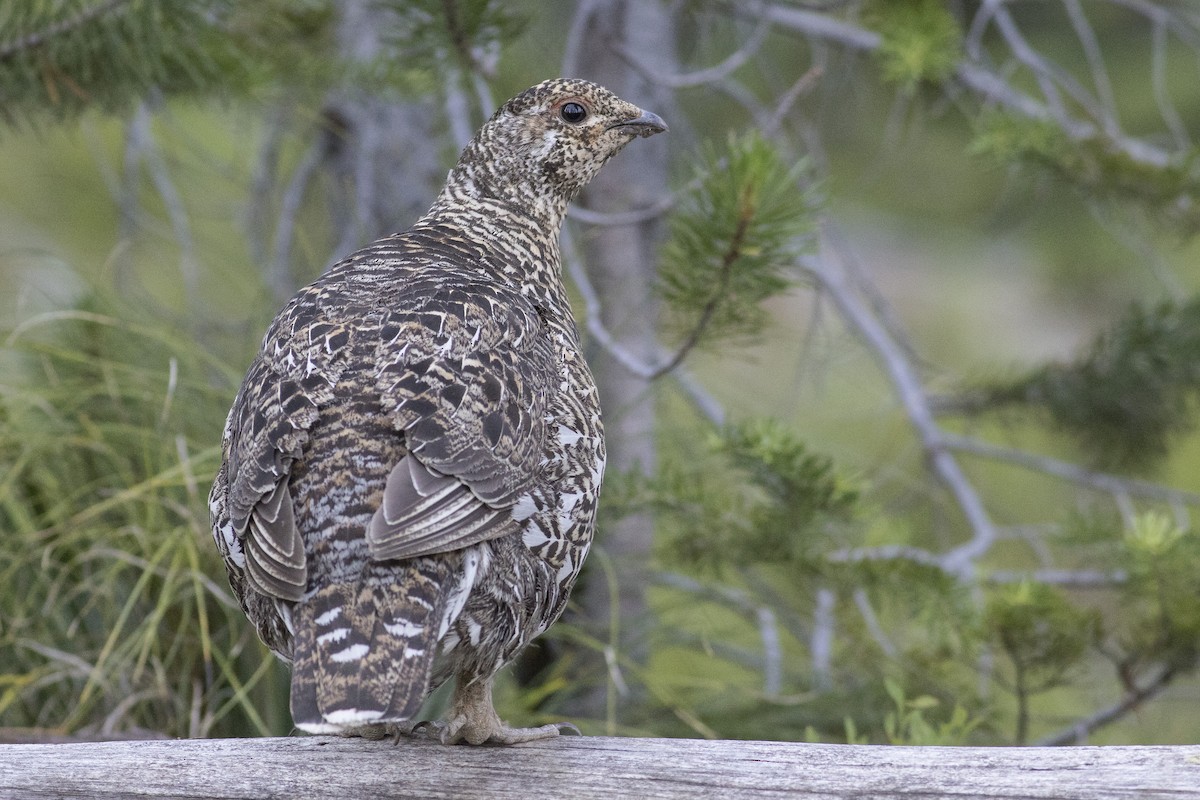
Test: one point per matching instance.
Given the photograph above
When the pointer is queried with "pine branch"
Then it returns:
(730, 257)
(36, 39)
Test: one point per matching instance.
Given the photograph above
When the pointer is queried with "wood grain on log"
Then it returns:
(584, 767)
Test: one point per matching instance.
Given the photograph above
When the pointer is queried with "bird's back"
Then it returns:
(412, 465)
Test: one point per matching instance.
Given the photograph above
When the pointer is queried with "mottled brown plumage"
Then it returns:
(412, 465)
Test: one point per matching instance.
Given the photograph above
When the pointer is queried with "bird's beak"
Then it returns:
(647, 124)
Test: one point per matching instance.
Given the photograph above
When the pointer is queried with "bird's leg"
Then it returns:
(472, 719)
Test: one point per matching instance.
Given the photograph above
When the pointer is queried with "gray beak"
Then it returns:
(647, 124)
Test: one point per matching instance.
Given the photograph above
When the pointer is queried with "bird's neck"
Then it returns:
(507, 202)
(510, 240)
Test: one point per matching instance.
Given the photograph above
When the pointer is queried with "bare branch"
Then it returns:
(1074, 473)
(1158, 80)
(821, 643)
(458, 110)
(1091, 51)
(814, 23)
(772, 664)
(701, 398)
(1048, 75)
(801, 86)
(262, 181)
(1074, 578)
(888, 552)
(863, 602)
(584, 12)
(664, 362)
(915, 402)
(1078, 733)
(709, 75)
(616, 218)
(172, 201)
(985, 83)
(592, 312)
(768, 631)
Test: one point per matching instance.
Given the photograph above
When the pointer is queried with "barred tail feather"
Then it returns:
(364, 651)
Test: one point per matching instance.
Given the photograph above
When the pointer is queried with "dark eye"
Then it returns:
(573, 113)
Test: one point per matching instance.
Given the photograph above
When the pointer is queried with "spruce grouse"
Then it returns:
(412, 465)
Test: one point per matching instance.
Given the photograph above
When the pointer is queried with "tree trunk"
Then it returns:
(387, 167)
(375, 161)
(620, 260)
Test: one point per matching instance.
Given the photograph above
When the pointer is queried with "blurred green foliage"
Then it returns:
(1096, 167)
(790, 596)
(921, 40)
(1129, 396)
(116, 614)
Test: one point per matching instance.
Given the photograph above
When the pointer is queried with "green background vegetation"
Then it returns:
(1045, 283)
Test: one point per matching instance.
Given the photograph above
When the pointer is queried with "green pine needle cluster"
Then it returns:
(1162, 594)
(921, 41)
(776, 502)
(1096, 167)
(1040, 631)
(731, 242)
(1126, 397)
(1042, 635)
(459, 31)
(63, 56)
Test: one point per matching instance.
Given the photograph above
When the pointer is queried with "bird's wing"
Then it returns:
(302, 359)
(465, 374)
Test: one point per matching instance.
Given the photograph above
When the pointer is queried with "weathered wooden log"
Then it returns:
(585, 767)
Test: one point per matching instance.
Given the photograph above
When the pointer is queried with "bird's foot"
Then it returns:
(372, 732)
(473, 720)
(462, 730)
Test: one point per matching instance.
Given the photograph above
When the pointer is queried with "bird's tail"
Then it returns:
(364, 651)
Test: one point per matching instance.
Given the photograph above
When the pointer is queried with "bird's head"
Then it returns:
(544, 145)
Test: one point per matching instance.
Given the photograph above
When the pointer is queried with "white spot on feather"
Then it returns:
(285, 614)
(474, 631)
(533, 535)
(335, 635)
(349, 716)
(524, 508)
(474, 559)
(351, 653)
(566, 570)
(567, 436)
(405, 629)
(233, 548)
(566, 507)
(329, 616)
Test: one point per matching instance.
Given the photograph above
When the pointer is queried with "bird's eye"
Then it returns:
(573, 113)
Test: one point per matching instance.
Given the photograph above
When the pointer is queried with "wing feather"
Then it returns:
(302, 358)
(467, 392)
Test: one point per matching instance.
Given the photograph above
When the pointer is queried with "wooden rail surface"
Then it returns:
(584, 767)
